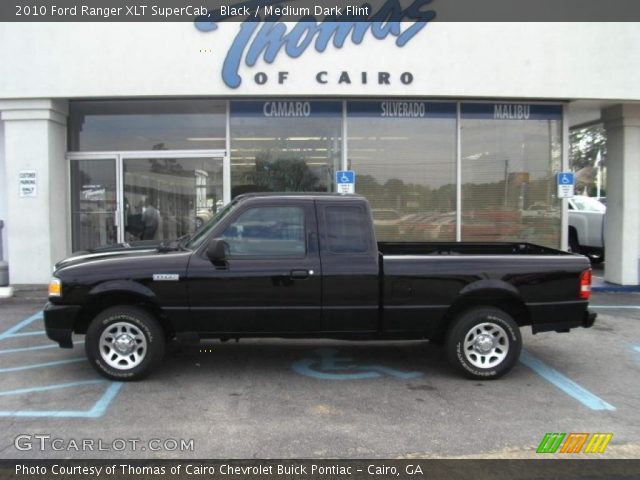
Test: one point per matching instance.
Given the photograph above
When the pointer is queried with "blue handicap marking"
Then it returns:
(566, 178)
(345, 176)
(329, 366)
(97, 410)
(564, 383)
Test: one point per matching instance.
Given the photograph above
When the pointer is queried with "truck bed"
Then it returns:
(419, 286)
(465, 248)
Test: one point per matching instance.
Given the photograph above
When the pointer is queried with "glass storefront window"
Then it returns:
(403, 153)
(404, 156)
(510, 155)
(166, 198)
(284, 146)
(114, 125)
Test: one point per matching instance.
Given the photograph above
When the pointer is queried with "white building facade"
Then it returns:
(455, 131)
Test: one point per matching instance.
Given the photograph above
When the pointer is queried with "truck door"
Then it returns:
(350, 276)
(272, 279)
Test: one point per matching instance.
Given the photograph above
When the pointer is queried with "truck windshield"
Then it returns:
(203, 232)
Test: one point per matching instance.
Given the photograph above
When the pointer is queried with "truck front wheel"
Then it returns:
(484, 343)
(124, 343)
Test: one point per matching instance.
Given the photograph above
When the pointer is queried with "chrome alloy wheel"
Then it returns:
(123, 345)
(486, 345)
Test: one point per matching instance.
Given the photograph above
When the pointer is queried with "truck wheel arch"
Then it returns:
(105, 298)
(502, 299)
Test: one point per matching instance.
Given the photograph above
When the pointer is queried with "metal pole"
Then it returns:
(4, 266)
(1, 250)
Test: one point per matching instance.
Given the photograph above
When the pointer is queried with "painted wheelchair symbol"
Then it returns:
(565, 179)
(345, 179)
(331, 367)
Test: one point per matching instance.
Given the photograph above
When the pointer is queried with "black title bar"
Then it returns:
(320, 10)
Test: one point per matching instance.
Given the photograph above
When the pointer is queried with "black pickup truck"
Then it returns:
(308, 265)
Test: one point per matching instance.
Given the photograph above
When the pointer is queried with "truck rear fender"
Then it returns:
(119, 292)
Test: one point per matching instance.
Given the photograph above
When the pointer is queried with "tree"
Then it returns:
(584, 146)
(284, 175)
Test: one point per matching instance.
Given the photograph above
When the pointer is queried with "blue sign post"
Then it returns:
(346, 181)
(566, 184)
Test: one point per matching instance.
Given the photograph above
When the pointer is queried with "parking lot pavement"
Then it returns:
(309, 399)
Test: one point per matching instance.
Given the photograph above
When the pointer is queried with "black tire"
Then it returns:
(139, 332)
(495, 330)
(574, 245)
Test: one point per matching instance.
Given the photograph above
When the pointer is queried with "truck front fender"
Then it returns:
(119, 292)
(128, 286)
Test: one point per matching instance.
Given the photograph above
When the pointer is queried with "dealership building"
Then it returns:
(455, 131)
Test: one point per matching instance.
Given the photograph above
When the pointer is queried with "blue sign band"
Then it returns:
(286, 109)
(402, 109)
(511, 111)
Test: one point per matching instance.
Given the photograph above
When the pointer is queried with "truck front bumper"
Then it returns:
(59, 321)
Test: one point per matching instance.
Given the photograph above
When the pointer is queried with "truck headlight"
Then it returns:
(55, 287)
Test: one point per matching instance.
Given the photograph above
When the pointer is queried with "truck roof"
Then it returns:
(306, 195)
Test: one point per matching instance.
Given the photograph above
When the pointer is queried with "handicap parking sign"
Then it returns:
(346, 181)
(566, 184)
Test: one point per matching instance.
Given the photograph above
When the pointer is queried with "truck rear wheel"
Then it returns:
(484, 343)
(124, 343)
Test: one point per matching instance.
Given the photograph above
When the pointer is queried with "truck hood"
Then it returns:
(139, 248)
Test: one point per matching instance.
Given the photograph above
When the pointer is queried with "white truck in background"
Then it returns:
(586, 227)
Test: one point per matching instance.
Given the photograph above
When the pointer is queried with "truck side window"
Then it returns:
(267, 231)
(347, 231)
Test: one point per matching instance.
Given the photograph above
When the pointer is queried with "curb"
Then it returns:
(612, 288)
(6, 292)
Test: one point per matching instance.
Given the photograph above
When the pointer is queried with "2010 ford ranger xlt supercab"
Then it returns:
(308, 265)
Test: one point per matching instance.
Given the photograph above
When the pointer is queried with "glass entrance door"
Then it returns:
(166, 197)
(94, 205)
(155, 195)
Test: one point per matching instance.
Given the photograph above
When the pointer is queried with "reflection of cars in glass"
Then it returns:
(412, 226)
(386, 222)
(540, 210)
(586, 227)
(476, 226)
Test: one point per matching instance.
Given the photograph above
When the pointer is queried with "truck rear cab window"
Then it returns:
(347, 230)
(267, 232)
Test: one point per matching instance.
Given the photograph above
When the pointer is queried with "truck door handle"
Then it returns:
(300, 274)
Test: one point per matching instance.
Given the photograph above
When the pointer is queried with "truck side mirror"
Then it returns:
(218, 252)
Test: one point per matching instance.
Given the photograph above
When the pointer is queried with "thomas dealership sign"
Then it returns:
(262, 35)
